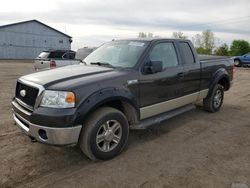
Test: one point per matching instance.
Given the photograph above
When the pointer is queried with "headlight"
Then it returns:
(58, 99)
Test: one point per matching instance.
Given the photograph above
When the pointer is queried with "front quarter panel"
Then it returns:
(122, 85)
(102, 97)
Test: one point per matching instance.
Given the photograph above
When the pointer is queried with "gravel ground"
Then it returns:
(195, 149)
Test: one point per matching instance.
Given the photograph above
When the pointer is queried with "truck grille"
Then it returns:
(30, 94)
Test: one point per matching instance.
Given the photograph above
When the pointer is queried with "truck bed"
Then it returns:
(204, 58)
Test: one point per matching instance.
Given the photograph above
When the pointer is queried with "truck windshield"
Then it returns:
(117, 54)
(43, 55)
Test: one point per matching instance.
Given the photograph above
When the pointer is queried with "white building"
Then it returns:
(25, 40)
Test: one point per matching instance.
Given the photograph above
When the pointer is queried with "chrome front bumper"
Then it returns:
(54, 136)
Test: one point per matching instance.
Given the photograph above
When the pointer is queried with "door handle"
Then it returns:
(181, 75)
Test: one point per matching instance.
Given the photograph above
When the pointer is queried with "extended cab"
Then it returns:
(125, 84)
(51, 59)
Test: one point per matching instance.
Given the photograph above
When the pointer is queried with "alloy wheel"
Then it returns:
(109, 135)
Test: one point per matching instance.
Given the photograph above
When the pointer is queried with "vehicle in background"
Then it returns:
(82, 53)
(51, 59)
(242, 61)
(124, 84)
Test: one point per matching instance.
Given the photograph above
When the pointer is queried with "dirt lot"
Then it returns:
(196, 149)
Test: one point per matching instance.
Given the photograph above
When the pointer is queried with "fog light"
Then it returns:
(42, 133)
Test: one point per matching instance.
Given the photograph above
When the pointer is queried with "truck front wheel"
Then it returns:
(215, 100)
(237, 63)
(104, 135)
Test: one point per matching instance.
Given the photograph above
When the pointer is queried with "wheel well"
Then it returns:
(126, 108)
(224, 82)
(237, 59)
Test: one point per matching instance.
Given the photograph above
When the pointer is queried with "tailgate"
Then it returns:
(42, 64)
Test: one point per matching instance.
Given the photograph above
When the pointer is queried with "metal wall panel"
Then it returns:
(27, 40)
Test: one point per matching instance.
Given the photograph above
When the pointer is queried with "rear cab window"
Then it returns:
(71, 55)
(187, 53)
(56, 55)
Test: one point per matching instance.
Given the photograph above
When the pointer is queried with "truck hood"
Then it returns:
(46, 78)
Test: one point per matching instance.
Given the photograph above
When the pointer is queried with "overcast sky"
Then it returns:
(92, 22)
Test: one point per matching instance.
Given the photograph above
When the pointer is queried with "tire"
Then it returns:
(104, 135)
(237, 63)
(214, 102)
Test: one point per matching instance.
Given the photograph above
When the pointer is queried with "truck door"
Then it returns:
(192, 70)
(156, 89)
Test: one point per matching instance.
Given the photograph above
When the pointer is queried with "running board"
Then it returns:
(162, 117)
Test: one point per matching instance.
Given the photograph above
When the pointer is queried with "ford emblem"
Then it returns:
(23, 93)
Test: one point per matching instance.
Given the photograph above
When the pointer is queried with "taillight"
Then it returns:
(52, 64)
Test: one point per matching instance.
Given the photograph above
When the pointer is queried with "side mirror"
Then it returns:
(153, 67)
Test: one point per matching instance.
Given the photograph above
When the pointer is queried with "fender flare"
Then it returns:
(218, 75)
(103, 96)
(237, 58)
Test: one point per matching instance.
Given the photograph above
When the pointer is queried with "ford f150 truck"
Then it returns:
(51, 59)
(125, 84)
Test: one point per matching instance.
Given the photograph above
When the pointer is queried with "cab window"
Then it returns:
(187, 53)
(166, 53)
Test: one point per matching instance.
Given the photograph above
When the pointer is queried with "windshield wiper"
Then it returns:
(101, 64)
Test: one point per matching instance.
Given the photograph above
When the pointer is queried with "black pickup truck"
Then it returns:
(124, 84)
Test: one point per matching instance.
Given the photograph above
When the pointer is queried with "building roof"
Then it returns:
(3, 26)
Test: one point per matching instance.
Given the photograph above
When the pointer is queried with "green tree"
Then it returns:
(222, 50)
(239, 47)
(150, 35)
(201, 50)
(197, 40)
(145, 35)
(204, 43)
(142, 35)
(179, 35)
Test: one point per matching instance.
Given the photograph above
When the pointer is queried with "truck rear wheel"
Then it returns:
(215, 100)
(104, 135)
